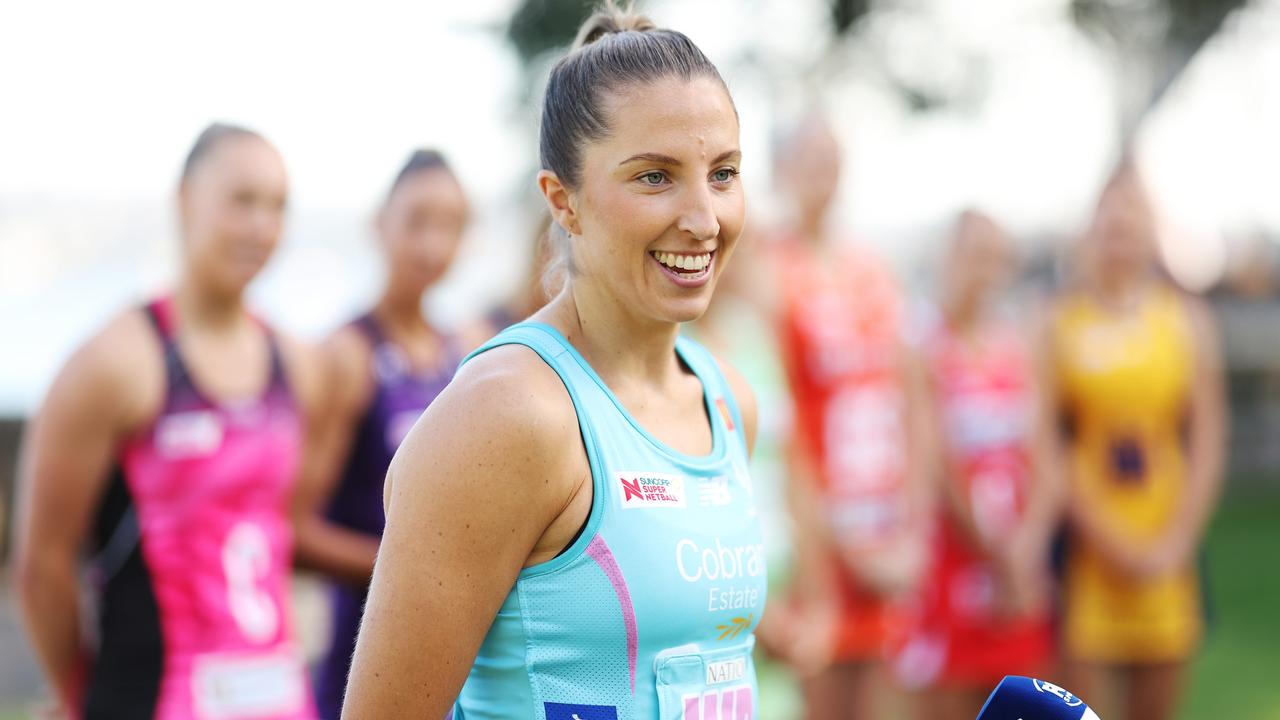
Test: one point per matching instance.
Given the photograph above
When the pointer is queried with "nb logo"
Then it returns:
(1063, 694)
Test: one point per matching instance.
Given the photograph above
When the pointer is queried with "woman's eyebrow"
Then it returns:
(661, 159)
(658, 158)
(734, 154)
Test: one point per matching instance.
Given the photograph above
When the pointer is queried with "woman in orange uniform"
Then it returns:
(858, 516)
(1139, 385)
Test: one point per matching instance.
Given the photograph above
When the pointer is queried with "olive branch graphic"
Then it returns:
(735, 626)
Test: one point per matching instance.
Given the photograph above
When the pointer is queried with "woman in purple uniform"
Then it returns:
(385, 368)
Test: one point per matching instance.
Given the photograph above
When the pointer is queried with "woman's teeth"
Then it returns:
(693, 263)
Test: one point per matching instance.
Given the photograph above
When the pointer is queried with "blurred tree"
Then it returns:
(1152, 41)
(844, 13)
(541, 26)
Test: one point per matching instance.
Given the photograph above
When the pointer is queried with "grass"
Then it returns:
(1238, 674)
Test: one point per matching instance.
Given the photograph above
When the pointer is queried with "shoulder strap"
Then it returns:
(367, 324)
(704, 365)
(160, 313)
(541, 339)
(279, 373)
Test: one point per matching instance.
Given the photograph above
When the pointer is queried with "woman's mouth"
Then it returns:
(685, 269)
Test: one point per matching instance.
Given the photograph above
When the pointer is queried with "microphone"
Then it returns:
(1024, 698)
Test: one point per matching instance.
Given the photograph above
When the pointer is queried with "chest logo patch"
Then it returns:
(189, 434)
(649, 490)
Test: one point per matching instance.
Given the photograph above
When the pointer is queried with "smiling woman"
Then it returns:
(531, 562)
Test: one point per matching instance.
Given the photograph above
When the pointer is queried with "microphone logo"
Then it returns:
(1065, 695)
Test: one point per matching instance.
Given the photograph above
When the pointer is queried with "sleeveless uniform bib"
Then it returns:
(194, 554)
(1125, 381)
(650, 613)
(983, 389)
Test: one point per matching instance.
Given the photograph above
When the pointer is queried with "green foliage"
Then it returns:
(540, 26)
(844, 13)
(1184, 24)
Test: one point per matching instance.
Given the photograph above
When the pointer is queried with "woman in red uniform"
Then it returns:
(984, 612)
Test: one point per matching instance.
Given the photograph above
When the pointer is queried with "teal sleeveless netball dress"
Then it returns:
(650, 613)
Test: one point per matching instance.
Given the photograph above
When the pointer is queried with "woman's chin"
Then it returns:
(686, 310)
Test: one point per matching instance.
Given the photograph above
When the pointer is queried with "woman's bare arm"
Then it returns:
(106, 390)
(477, 491)
(337, 391)
(1206, 441)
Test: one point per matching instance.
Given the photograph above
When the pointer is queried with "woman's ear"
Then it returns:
(559, 201)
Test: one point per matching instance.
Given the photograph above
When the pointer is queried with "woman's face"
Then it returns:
(421, 227)
(1123, 236)
(232, 211)
(980, 261)
(660, 206)
(808, 169)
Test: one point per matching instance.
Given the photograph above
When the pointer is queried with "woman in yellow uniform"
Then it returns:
(1139, 387)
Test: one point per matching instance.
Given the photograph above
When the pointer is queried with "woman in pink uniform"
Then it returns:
(165, 452)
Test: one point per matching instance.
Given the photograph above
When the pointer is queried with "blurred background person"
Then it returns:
(385, 368)
(167, 447)
(1139, 387)
(540, 282)
(856, 392)
(984, 606)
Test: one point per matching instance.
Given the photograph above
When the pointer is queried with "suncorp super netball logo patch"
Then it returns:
(649, 490)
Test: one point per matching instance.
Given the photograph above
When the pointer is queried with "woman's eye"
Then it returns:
(724, 175)
(653, 178)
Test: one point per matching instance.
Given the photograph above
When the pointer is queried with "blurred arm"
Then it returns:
(471, 494)
(924, 467)
(335, 392)
(66, 459)
(1206, 444)
(1027, 552)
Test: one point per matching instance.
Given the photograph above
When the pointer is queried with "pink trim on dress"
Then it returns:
(599, 551)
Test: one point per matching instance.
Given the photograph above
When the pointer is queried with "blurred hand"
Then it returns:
(1022, 583)
(892, 569)
(810, 649)
(1166, 556)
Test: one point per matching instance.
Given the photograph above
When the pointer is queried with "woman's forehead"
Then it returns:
(694, 116)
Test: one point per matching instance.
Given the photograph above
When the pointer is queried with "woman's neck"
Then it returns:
(812, 228)
(962, 311)
(199, 305)
(1120, 290)
(618, 343)
(400, 309)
